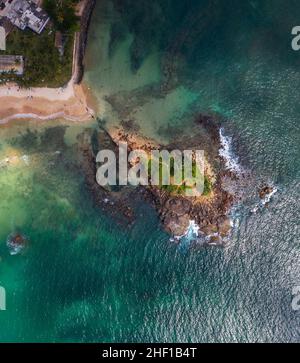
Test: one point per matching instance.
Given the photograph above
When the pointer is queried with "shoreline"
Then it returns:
(70, 102)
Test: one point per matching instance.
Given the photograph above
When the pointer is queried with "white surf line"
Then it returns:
(231, 160)
(266, 200)
(191, 231)
(269, 196)
(52, 116)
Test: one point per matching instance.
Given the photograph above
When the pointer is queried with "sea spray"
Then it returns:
(225, 151)
(266, 200)
(2, 298)
(269, 196)
(16, 243)
(193, 234)
(190, 235)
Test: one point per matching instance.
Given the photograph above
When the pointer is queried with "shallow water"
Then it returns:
(82, 277)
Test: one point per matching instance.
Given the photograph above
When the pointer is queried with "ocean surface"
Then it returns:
(84, 278)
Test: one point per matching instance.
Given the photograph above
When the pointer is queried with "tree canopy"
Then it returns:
(62, 14)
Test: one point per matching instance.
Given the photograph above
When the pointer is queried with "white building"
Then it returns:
(24, 14)
(2, 38)
(12, 63)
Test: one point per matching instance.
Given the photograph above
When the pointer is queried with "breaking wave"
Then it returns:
(266, 200)
(225, 152)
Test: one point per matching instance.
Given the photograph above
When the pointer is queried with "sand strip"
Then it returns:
(69, 102)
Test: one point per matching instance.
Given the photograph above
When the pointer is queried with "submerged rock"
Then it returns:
(16, 243)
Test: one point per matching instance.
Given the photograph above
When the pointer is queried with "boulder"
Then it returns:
(264, 191)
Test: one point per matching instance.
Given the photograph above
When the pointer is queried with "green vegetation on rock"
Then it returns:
(180, 189)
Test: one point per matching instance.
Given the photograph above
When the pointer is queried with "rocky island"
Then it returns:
(210, 212)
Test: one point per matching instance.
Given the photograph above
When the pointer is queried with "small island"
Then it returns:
(210, 212)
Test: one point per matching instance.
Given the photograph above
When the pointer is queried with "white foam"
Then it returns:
(14, 248)
(53, 116)
(25, 158)
(193, 229)
(269, 196)
(265, 200)
(188, 237)
(231, 160)
(191, 232)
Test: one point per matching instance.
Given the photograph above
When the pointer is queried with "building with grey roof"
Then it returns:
(12, 63)
(2, 38)
(24, 14)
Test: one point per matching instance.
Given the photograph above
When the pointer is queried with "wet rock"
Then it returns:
(209, 229)
(180, 206)
(216, 241)
(210, 125)
(176, 225)
(16, 242)
(224, 227)
(264, 191)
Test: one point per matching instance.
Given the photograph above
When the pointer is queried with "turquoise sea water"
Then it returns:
(83, 277)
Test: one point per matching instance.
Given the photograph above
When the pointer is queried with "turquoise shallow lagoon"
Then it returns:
(84, 278)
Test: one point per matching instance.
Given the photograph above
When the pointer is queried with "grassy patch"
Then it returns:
(43, 65)
(181, 189)
(208, 186)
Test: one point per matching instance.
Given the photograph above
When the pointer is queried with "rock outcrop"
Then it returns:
(210, 212)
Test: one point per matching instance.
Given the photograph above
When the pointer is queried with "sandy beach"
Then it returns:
(69, 102)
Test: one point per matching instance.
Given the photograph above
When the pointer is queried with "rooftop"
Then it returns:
(2, 38)
(10, 63)
(24, 14)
